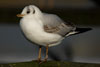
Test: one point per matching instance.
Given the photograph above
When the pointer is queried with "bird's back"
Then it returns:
(53, 21)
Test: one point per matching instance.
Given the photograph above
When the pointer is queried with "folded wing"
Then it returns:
(53, 24)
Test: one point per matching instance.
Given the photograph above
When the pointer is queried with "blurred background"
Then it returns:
(77, 48)
(78, 11)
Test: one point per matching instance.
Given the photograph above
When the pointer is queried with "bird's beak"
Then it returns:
(20, 15)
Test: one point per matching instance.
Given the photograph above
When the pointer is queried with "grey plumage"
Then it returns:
(56, 25)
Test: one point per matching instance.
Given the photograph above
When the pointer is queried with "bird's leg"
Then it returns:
(46, 57)
(39, 55)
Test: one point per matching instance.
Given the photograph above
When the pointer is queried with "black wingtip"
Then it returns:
(82, 30)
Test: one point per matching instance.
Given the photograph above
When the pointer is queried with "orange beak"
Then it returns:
(20, 15)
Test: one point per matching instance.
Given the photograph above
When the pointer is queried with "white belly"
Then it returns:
(35, 33)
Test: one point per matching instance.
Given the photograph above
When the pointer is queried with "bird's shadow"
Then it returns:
(68, 51)
(65, 49)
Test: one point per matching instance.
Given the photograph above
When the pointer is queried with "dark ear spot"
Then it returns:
(28, 11)
(34, 12)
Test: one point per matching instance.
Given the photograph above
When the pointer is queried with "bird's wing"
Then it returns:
(53, 24)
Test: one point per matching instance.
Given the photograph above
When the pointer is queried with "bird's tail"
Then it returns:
(78, 31)
(82, 30)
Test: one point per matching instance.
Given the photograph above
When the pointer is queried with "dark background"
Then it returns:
(77, 11)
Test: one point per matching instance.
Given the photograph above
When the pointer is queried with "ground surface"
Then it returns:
(49, 64)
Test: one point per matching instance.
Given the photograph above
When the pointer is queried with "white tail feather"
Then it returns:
(74, 32)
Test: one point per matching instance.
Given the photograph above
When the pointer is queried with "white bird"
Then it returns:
(44, 29)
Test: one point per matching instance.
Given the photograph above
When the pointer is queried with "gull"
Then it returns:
(45, 29)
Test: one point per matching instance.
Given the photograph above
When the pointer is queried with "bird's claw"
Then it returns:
(40, 61)
(45, 60)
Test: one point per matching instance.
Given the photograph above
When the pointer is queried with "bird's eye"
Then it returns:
(28, 12)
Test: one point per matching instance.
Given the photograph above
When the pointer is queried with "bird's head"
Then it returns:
(29, 10)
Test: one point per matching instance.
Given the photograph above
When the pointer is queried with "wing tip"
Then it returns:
(82, 30)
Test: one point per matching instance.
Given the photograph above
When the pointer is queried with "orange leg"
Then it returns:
(39, 55)
(46, 57)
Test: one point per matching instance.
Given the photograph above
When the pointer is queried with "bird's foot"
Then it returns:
(45, 60)
(39, 60)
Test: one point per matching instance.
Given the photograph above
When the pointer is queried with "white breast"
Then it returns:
(33, 30)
